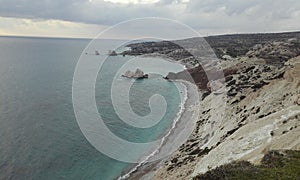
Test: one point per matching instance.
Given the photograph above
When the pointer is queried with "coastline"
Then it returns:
(165, 58)
(244, 107)
(145, 169)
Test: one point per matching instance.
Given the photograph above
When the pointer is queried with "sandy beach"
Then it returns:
(147, 170)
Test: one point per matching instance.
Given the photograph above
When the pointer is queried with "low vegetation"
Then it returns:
(274, 165)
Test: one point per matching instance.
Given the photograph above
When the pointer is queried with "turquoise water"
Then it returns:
(39, 134)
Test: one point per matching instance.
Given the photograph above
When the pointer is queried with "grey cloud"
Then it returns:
(165, 2)
(95, 12)
(243, 16)
(220, 15)
(238, 7)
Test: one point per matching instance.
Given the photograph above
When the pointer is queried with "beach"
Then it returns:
(147, 169)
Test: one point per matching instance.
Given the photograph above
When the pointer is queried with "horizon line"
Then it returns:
(89, 38)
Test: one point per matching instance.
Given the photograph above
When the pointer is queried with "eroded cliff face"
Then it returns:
(258, 109)
(261, 114)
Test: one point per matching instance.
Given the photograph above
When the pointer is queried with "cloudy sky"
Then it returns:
(87, 18)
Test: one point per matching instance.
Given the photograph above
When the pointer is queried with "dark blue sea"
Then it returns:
(39, 134)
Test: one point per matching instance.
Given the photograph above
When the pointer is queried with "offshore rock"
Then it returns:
(138, 74)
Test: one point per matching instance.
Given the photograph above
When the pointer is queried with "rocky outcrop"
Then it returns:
(198, 76)
(260, 115)
(138, 74)
(276, 52)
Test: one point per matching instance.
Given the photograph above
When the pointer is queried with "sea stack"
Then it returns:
(112, 53)
(138, 74)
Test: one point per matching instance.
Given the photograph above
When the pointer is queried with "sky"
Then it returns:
(87, 18)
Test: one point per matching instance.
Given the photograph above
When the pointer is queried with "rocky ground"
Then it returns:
(258, 109)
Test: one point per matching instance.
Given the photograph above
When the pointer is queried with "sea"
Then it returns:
(40, 137)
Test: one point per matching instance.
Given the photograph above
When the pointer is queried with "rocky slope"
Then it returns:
(260, 115)
(258, 109)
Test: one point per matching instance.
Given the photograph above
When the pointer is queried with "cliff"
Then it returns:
(262, 111)
(262, 96)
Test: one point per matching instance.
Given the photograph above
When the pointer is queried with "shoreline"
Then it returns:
(165, 58)
(147, 169)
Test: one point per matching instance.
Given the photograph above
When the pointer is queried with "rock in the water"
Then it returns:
(112, 53)
(138, 74)
(128, 74)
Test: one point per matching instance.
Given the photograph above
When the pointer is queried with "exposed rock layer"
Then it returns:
(262, 112)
